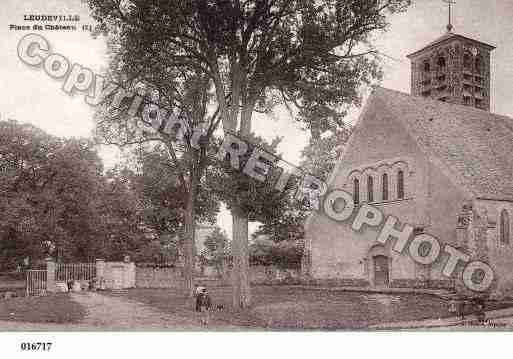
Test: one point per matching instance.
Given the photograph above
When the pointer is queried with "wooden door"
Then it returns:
(381, 271)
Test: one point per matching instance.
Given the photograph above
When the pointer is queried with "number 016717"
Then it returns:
(25, 346)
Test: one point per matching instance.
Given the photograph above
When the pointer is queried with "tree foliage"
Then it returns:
(56, 200)
(321, 154)
(155, 179)
(311, 54)
(217, 249)
(318, 158)
(163, 251)
(216, 241)
(237, 189)
(285, 254)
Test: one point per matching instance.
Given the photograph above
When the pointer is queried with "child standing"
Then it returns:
(203, 304)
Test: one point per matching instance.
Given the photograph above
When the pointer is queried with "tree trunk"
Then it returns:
(240, 252)
(189, 243)
(240, 247)
(189, 253)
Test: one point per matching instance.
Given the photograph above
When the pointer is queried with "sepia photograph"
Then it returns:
(177, 168)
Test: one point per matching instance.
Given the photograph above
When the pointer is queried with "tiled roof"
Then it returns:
(474, 144)
(447, 36)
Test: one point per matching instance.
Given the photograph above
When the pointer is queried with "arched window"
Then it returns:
(441, 62)
(467, 61)
(384, 182)
(477, 65)
(400, 184)
(426, 66)
(504, 227)
(356, 191)
(370, 189)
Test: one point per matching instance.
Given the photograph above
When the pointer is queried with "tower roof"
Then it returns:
(449, 36)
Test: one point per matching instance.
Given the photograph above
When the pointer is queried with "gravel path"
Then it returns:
(120, 314)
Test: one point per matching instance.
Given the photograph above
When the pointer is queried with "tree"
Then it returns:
(121, 220)
(285, 254)
(318, 158)
(163, 198)
(286, 226)
(260, 201)
(158, 252)
(154, 178)
(309, 55)
(216, 240)
(183, 96)
(321, 154)
(56, 201)
(216, 249)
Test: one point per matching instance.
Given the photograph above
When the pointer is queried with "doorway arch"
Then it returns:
(380, 264)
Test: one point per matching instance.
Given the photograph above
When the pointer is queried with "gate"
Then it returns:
(36, 282)
(65, 272)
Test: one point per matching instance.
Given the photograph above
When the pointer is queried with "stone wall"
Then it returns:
(261, 274)
(153, 277)
(125, 271)
(338, 282)
(172, 277)
(427, 284)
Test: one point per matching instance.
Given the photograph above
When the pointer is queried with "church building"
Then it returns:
(436, 159)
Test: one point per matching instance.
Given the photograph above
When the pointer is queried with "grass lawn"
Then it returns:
(281, 307)
(57, 308)
(12, 283)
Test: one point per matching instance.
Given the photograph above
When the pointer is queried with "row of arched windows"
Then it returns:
(384, 188)
(440, 63)
(468, 63)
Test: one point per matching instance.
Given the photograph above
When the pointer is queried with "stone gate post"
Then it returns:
(100, 273)
(50, 275)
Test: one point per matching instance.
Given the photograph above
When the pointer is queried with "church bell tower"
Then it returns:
(453, 68)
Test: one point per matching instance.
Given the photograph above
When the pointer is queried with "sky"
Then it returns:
(31, 96)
